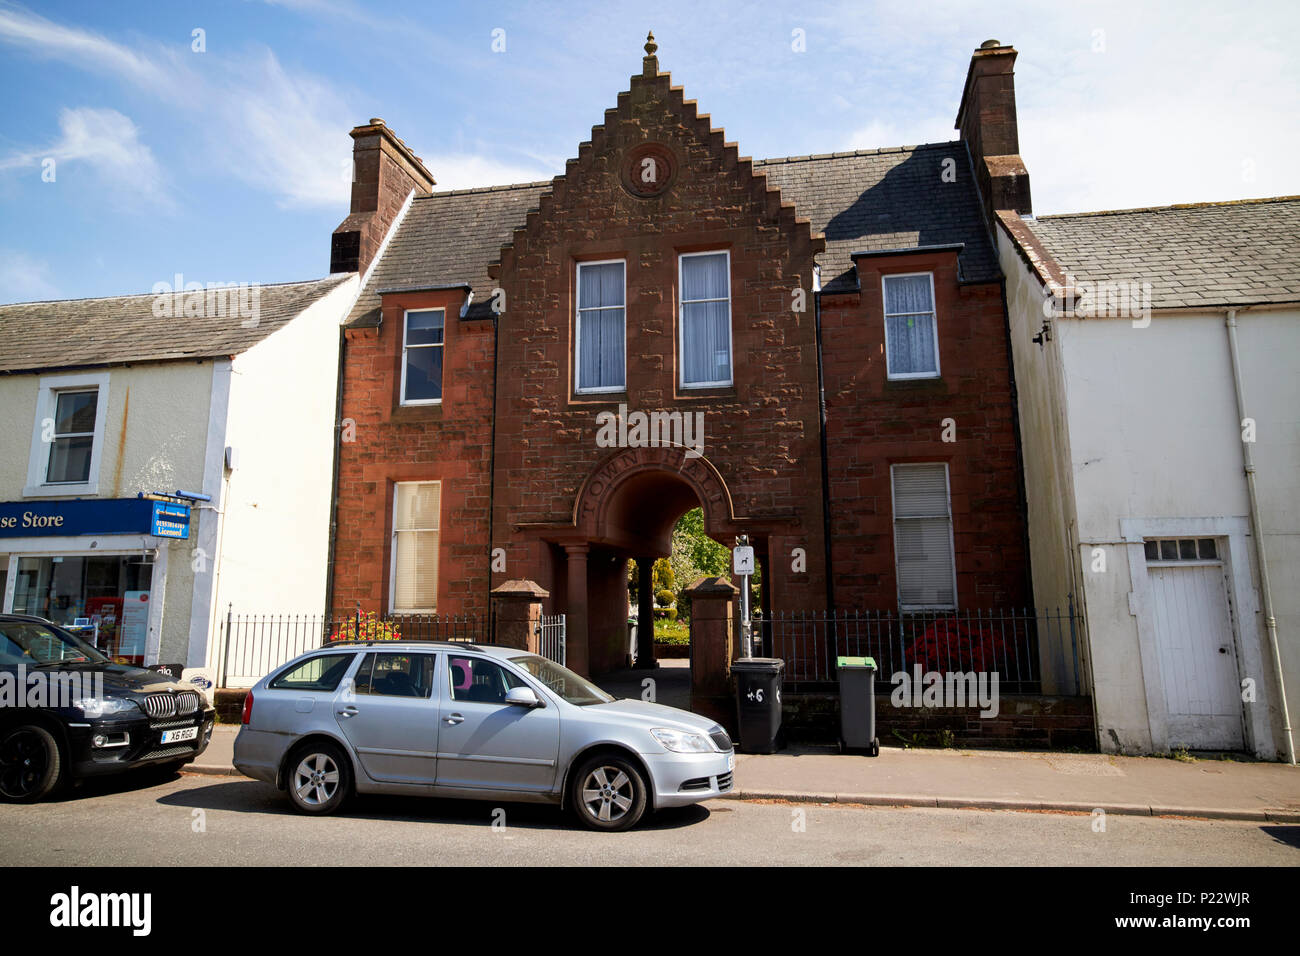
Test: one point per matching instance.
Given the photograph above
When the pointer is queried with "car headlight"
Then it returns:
(678, 741)
(95, 707)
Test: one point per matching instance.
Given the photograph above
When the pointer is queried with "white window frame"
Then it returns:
(392, 560)
(405, 347)
(577, 329)
(886, 314)
(681, 317)
(38, 461)
(893, 504)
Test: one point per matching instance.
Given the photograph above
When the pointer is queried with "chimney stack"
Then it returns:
(384, 173)
(987, 121)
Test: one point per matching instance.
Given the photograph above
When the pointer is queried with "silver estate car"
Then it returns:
(476, 721)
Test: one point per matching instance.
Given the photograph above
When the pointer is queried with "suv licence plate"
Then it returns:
(176, 736)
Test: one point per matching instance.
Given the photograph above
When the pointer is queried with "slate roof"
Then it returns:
(68, 333)
(862, 200)
(882, 199)
(449, 238)
(1197, 255)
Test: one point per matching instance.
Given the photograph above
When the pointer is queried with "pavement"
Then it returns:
(987, 780)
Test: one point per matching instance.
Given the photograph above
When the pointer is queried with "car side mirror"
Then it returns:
(522, 697)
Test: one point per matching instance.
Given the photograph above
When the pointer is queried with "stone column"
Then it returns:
(578, 658)
(645, 602)
(712, 630)
(517, 608)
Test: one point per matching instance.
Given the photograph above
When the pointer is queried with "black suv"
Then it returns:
(67, 711)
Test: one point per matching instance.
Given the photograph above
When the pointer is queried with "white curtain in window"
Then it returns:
(706, 319)
(601, 334)
(415, 559)
(909, 317)
(923, 536)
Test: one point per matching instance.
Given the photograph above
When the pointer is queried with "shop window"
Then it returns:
(68, 435)
(923, 549)
(422, 348)
(104, 599)
(414, 585)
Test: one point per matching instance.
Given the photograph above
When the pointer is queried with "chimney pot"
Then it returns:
(990, 44)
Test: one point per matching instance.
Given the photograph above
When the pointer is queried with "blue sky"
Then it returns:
(231, 164)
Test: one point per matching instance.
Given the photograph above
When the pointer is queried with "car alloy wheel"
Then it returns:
(30, 764)
(610, 793)
(320, 780)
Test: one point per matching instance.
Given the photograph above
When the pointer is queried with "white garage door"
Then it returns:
(1198, 661)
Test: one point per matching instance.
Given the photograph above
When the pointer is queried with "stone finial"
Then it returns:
(650, 46)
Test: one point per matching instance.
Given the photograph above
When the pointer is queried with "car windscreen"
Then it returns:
(562, 681)
(26, 642)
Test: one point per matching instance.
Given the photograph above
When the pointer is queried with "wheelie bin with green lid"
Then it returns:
(858, 704)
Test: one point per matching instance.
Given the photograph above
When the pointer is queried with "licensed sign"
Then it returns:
(87, 516)
(170, 520)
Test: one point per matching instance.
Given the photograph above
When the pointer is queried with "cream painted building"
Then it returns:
(220, 409)
(1157, 360)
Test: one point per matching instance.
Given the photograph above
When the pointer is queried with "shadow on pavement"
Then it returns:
(1286, 835)
(241, 795)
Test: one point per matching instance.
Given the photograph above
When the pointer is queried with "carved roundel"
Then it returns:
(649, 169)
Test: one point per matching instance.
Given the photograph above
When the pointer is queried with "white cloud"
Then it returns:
(81, 46)
(282, 132)
(107, 142)
(467, 171)
(24, 279)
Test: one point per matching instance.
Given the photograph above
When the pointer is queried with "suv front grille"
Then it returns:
(164, 706)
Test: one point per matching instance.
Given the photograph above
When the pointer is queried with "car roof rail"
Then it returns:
(360, 642)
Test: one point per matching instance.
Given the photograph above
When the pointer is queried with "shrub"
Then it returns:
(372, 628)
(950, 644)
(664, 597)
(666, 613)
(683, 604)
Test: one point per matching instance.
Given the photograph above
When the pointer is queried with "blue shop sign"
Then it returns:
(90, 516)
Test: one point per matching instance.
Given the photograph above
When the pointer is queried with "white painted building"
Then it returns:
(108, 399)
(1136, 454)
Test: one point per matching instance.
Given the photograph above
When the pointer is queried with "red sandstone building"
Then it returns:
(836, 322)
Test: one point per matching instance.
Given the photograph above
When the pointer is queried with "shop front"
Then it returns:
(95, 566)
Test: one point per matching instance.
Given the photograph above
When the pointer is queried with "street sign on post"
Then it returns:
(742, 563)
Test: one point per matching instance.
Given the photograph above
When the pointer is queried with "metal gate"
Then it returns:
(550, 634)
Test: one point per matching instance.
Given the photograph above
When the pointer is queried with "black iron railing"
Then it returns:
(1027, 648)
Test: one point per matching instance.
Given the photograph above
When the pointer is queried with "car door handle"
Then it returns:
(454, 719)
(348, 712)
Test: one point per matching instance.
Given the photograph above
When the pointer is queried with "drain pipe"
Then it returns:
(1266, 592)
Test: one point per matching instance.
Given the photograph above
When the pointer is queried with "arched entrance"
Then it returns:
(626, 511)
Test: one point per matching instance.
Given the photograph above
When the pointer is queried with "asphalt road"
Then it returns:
(197, 820)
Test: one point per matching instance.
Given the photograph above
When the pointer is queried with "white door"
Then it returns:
(1198, 659)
